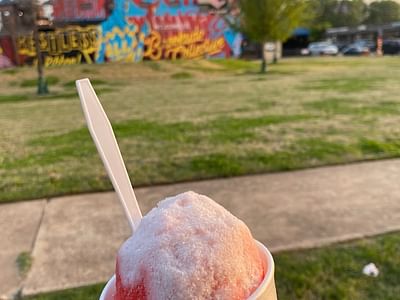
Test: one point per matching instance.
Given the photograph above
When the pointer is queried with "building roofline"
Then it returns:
(363, 28)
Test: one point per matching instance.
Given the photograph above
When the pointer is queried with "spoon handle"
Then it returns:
(107, 146)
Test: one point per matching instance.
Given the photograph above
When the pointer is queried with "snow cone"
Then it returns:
(190, 247)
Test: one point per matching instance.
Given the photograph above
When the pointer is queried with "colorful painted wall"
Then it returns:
(168, 29)
(137, 30)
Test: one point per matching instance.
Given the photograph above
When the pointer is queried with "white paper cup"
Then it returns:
(265, 291)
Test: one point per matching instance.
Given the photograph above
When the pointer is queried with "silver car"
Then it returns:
(322, 48)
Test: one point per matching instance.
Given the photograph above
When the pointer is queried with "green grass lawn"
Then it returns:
(333, 272)
(187, 120)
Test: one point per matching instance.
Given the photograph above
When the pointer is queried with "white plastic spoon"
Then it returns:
(107, 146)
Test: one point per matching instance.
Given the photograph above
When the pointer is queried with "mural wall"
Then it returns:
(168, 29)
(133, 30)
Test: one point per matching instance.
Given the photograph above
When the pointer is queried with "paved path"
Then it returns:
(19, 224)
(74, 239)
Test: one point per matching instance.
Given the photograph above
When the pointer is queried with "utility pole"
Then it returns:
(42, 88)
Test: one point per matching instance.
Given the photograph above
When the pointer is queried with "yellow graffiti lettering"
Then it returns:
(207, 48)
(63, 45)
(182, 45)
(184, 39)
(26, 46)
(85, 43)
(43, 42)
(54, 44)
(74, 40)
(175, 53)
(153, 46)
(62, 60)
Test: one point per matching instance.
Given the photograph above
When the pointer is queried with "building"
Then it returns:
(345, 35)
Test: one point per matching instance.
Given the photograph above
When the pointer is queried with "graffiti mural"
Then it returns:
(120, 40)
(127, 30)
(168, 29)
(62, 46)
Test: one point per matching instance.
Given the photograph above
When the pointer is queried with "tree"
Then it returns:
(381, 12)
(349, 13)
(270, 20)
(321, 19)
(336, 13)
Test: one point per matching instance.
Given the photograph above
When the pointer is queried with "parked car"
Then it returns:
(355, 49)
(322, 48)
(391, 46)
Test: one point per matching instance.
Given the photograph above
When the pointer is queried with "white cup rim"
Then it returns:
(269, 273)
(265, 283)
(110, 284)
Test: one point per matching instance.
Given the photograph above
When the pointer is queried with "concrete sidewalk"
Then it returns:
(73, 240)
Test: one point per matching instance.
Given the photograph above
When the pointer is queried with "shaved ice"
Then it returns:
(189, 247)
